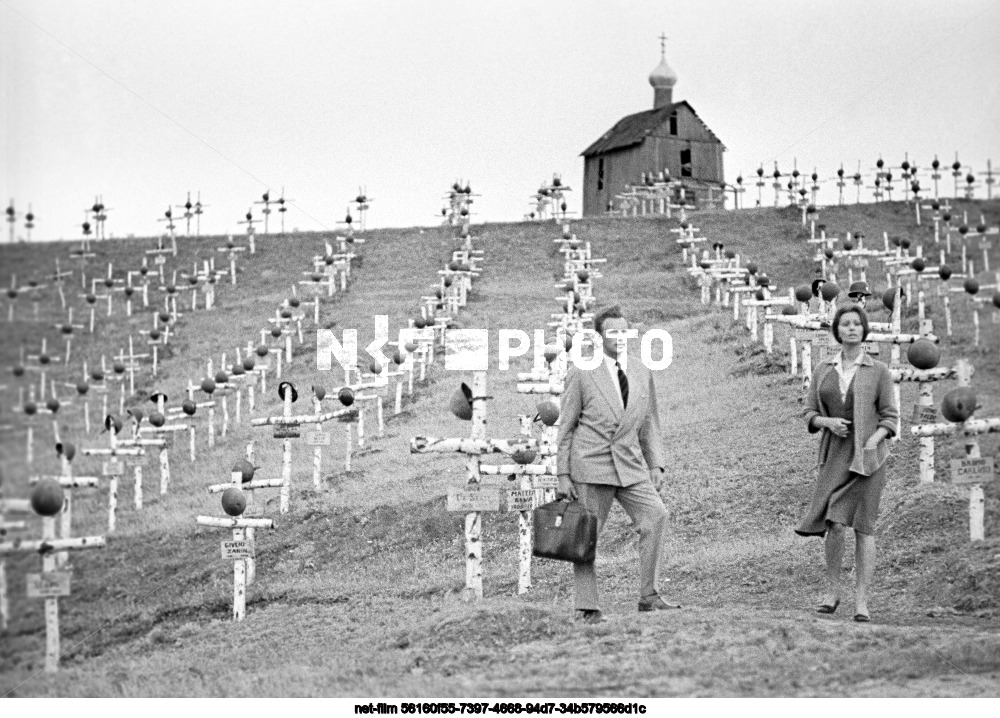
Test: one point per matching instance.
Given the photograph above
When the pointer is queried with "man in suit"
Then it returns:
(610, 447)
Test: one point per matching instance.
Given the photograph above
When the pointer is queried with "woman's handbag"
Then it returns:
(565, 531)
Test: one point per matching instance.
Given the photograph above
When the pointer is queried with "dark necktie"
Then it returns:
(623, 385)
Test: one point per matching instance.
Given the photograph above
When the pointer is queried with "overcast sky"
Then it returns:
(142, 101)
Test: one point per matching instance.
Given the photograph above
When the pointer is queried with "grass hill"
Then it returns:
(358, 588)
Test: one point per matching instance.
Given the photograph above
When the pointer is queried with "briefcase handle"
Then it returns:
(564, 505)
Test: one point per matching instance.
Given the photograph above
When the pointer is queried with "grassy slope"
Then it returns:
(358, 589)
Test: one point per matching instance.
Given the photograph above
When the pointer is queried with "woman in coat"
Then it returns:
(851, 402)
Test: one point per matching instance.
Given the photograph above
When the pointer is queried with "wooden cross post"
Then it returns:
(164, 435)
(164, 461)
(68, 481)
(287, 427)
(209, 388)
(20, 506)
(67, 332)
(277, 332)
(187, 409)
(472, 500)
(130, 363)
(231, 249)
(239, 550)
(113, 468)
(50, 584)
(314, 302)
(253, 509)
(974, 469)
(924, 412)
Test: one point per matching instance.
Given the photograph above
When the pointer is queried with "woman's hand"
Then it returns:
(875, 439)
(839, 427)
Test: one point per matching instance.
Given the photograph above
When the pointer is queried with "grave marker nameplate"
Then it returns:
(545, 482)
(319, 438)
(48, 585)
(924, 414)
(467, 500)
(286, 431)
(520, 499)
(980, 470)
(237, 549)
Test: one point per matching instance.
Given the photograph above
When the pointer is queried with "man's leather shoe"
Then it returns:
(589, 615)
(655, 603)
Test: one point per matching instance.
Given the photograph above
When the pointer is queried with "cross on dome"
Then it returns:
(663, 76)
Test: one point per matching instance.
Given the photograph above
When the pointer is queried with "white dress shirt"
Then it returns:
(846, 373)
(612, 366)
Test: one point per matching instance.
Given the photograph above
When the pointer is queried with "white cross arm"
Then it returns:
(972, 426)
(296, 420)
(9, 548)
(235, 522)
(133, 451)
(162, 429)
(257, 484)
(527, 388)
(533, 376)
(900, 338)
(15, 505)
(434, 445)
(143, 442)
(69, 482)
(518, 469)
(911, 374)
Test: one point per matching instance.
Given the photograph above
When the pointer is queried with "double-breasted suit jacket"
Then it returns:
(599, 441)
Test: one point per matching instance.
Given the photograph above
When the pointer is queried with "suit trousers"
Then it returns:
(645, 507)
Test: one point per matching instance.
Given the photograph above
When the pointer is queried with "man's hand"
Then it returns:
(656, 476)
(567, 489)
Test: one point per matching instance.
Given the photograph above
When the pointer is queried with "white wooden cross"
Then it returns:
(58, 278)
(67, 331)
(143, 272)
(245, 479)
(207, 386)
(30, 408)
(112, 468)
(974, 469)
(43, 360)
(7, 525)
(261, 352)
(49, 584)
(231, 249)
(279, 329)
(238, 550)
(109, 284)
(34, 293)
(473, 499)
(164, 432)
(131, 365)
(68, 481)
(318, 439)
(314, 302)
(287, 427)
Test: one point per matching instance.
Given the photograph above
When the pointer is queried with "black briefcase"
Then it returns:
(565, 531)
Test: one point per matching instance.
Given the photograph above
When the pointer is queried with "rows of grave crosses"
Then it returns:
(120, 431)
(210, 405)
(660, 193)
(940, 269)
(530, 479)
